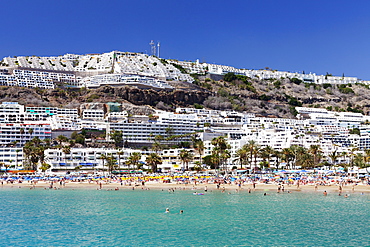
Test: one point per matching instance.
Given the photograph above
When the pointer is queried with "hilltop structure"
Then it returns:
(127, 68)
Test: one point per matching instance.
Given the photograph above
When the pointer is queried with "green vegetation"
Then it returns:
(243, 82)
(198, 106)
(346, 89)
(179, 67)
(163, 61)
(264, 97)
(277, 84)
(293, 101)
(354, 131)
(296, 81)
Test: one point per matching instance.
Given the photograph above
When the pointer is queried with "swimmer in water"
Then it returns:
(181, 211)
(167, 210)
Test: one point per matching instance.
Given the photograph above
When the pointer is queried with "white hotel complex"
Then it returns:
(314, 126)
(126, 68)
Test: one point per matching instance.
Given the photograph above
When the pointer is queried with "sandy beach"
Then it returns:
(200, 187)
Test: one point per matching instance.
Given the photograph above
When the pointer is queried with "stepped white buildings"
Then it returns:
(126, 68)
(19, 124)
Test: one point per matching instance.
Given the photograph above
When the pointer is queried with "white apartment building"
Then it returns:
(12, 112)
(50, 111)
(173, 118)
(86, 158)
(216, 117)
(257, 123)
(12, 157)
(93, 114)
(145, 132)
(92, 124)
(121, 80)
(65, 122)
(320, 116)
(117, 116)
(89, 159)
(21, 133)
(33, 78)
(171, 161)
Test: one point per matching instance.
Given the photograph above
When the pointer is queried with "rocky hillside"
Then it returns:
(279, 97)
(72, 98)
(264, 97)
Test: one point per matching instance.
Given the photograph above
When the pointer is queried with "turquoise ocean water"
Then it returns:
(136, 218)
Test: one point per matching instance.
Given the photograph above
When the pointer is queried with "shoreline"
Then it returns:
(359, 188)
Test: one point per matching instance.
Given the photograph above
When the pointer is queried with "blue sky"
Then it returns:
(313, 36)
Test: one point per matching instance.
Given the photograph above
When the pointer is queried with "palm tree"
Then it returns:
(34, 152)
(153, 160)
(256, 153)
(220, 150)
(185, 156)
(60, 139)
(277, 154)
(251, 147)
(315, 150)
(366, 159)
(66, 150)
(134, 160)
(199, 147)
(352, 154)
(44, 166)
(103, 157)
(287, 155)
(157, 145)
(30, 132)
(334, 156)
(299, 155)
(242, 156)
(268, 151)
(111, 162)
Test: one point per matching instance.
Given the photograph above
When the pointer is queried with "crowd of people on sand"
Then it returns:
(190, 182)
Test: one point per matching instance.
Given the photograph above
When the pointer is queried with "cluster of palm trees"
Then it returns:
(133, 161)
(251, 154)
(34, 153)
